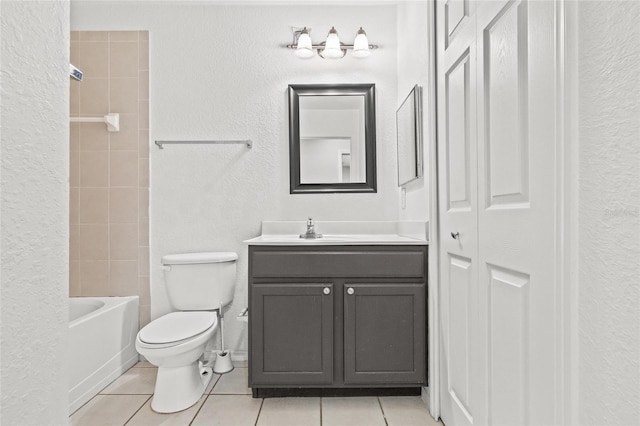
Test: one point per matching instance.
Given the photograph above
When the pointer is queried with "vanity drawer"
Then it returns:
(397, 263)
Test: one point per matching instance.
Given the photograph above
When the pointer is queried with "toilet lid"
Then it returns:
(177, 326)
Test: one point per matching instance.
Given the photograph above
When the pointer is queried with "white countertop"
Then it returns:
(280, 233)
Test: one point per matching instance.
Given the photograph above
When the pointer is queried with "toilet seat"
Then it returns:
(176, 328)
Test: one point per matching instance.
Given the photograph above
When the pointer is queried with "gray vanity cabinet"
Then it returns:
(384, 333)
(293, 341)
(337, 316)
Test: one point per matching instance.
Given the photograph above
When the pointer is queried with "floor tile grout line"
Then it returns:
(259, 412)
(214, 385)
(139, 408)
(382, 410)
(199, 409)
(320, 411)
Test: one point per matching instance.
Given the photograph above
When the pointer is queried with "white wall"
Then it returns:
(221, 72)
(609, 212)
(413, 69)
(34, 211)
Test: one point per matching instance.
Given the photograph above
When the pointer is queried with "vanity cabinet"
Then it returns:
(337, 316)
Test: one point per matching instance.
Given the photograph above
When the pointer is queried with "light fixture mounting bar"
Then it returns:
(320, 46)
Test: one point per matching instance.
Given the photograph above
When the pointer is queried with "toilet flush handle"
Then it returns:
(166, 268)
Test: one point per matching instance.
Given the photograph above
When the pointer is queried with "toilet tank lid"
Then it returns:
(194, 258)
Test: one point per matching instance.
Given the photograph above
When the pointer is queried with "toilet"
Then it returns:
(198, 285)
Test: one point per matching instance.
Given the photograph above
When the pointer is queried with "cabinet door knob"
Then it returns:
(326, 290)
(455, 235)
(350, 290)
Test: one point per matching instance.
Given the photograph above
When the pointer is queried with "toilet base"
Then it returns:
(178, 388)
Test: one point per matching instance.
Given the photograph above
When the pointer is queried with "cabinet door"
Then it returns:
(384, 333)
(291, 334)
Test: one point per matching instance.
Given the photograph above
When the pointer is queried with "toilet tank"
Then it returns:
(200, 281)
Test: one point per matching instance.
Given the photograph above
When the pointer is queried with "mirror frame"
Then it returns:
(413, 143)
(366, 90)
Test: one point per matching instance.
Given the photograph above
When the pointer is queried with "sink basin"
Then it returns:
(356, 239)
(295, 239)
(287, 233)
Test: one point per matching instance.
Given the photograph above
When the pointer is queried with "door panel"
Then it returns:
(384, 331)
(516, 221)
(505, 108)
(457, 208)
(499, 306)
(460, 331)
(456, 12)
(293, 342)
(458, 155)
(509, 336)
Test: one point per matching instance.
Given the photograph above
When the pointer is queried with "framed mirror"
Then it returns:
(332, 138)
(409, 127)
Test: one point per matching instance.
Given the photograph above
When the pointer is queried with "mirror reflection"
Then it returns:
(332, 143)
(332, 138)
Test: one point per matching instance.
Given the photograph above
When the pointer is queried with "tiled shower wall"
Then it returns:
(109, 199)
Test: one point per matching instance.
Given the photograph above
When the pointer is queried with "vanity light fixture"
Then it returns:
(331, 48)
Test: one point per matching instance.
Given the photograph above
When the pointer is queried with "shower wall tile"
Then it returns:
(93, 35)
(124, 35)
(123, 205)
(94, 96)
(74, 136)
(123, 95)
(143, 55)
(143, 231)
(94, 168)
(74, 279)
(143, 143)
(123, 238)
(143, 202)
(123, 277)
(144, 290)
(94, 205)
(109, 176)
(145, 315)
(74, 206)
(143, 172)
(94, 242)
(74, 242)
(74, 168)
(127, 138)
(123, 60)
(74, 98)
(143, 259)
(143, 86)
(93, 59)
(94, 278)
(93, 137)
(143, 118)
(123, 168)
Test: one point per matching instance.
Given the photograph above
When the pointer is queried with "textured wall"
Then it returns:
(34, 218)
(220, 72)
(609, 212)
(109, 177)
(413, 69)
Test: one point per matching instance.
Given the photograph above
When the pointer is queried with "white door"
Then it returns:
(460, 357)
(498, 278)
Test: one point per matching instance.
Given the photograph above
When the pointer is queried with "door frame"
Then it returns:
(566, 167)
(432, 392)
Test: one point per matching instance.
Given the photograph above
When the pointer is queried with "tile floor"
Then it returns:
(228, 402)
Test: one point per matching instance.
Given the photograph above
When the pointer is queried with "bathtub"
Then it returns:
(102, 335)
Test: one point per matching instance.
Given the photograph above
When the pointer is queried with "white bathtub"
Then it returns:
(102, 335)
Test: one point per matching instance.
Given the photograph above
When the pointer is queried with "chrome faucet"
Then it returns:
(311, 231)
